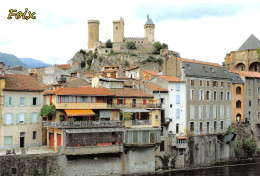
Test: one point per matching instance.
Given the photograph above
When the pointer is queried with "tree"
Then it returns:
(130, 45)
(157, 46)
(164, 46)
(126, 63)
(109, 44)
(249, 145)
(48, 110)
(82, 64)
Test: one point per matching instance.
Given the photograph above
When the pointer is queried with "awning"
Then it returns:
(182, 137)
(94, 130)
(134, 110)
(79, 112)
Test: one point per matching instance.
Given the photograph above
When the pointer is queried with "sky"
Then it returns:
(204, 30)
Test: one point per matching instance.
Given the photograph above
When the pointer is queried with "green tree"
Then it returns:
(130, 45)
(89, 61)
(47, 110)
(126, 63)
(127, 115)
(109, 44)
(249, 145)
(164, 46)
(82, 64)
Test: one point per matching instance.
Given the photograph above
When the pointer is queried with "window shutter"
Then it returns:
(6, 101)
(18, 101)
(209, 95)
(202, 94)
(191, 95)
(4, 119)
(12, 119)
(195, 128)
(144, 101)
(17, 118)
(199, 94)
(12, 101)
(31, 102)
(118, 101)
(25, 118)
(205, 127)
(38, 118)
(124, 101)
(31, 117)
(25, 101)
(38, 101)
(229, 95)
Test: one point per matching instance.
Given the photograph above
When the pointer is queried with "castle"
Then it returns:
(118, 34)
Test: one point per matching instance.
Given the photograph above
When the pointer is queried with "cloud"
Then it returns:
(161, 12)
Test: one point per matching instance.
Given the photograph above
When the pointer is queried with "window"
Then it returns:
(192, 112)
(162, 100)
(222, 125)
(34, 101)
(249, 103)
(170, 105)
(191, 126)
(215, 126)
(208, 111)
(8, 119)
(201, 95)
(191, 94)
(215, 84)
(34, 134)
(208, 127)
(215, 111)
(201, 126)
(201, 83)
(222, 113)
(228, 96)
(215, 95)
(8, 140)
(178, 86)
(192, 82)
(212, 70)
(156, 117)
(238, 90)
(221, 96)
(162, 146)
(178, 99)
(9, 101)
(22, 101)
(258, 102)
(178, 112)
(249, 91)
(34, 117)
(207, 83)
(120, 101)
(207, 95)
(177, 128)
(201, 112)
(238, 104)
(21, 118)
(228, 84)
(222, 84)
(258, 90)
(228, 112)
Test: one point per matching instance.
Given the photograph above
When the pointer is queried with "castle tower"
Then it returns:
(149, 30)
(93, 33)
(118, 31)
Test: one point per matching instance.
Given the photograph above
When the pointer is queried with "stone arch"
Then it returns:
(240, 66)
(254, 66)
(238, 117)
(238, 104)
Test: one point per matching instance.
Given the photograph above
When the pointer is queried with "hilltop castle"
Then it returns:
(118, 33)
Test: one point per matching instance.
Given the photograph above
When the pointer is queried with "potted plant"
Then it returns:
(127, 117)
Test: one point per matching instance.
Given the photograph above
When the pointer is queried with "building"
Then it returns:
(20, 123)
(132, 72)
(246, 57)
(110, 83)
(149, 74)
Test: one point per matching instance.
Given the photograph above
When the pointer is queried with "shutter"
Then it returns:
(218, 126)
(204, 127)
(191, 95)
(31, 102)
(38, 118)
(230, 96)
(25, 118)
(6, 101)
(12, 101)
(202, 94)
(18, 101)
(226, 96)
(12, 119)
(144, 101)
(25, 101)
(199, 94)
(31, 117)
(124, 101)
(195, 128)
(4, 120)
(17, 118)
(118, 101)
(209, 95)
(38, 101)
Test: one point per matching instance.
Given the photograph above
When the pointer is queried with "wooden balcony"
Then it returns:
(84, 124)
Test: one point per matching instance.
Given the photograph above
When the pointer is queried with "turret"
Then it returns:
(93, 33)
(149, 30)
(118, 31)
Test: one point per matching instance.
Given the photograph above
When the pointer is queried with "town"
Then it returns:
(130, 105)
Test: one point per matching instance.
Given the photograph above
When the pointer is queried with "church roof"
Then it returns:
(149, 21)
(251, 43)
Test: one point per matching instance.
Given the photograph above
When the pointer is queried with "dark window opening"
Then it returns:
(162, 146)
(34, 101)
(191, 126)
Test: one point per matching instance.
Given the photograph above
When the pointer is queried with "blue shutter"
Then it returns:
(25, 118)
(18, 118)
(25, 101)
(12, 119)
(38, 118)
(4, 119)
(31, 101)
(38, 101)
(12, 101)
(7, 101)
(18, 101)
(31, 117)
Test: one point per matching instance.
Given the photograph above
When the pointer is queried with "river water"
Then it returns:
(246, 168)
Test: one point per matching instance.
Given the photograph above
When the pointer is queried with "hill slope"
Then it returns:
(11, 60)
(33, 63)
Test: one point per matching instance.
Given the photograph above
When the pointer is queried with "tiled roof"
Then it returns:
(251, 43)
(21, 83)
(131, 93)
(155, 87)
(130, 84)
(170, 78)
(151, 72)
(199, 62)
(50, 91)
(247, 74)
(109, 71)
(64, 66)
(131, 68)
(84, 91)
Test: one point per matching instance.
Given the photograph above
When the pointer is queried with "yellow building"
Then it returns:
(246, 57)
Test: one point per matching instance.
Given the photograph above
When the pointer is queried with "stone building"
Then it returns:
(246, 57)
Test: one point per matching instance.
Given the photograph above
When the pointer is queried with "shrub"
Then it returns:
(89, 61)
(109, 44)
(126, 63)
(47, 110)
(249, 145)
(100, 58)
(130, 45)
(127, 115)
(82, 64)
(157, 46)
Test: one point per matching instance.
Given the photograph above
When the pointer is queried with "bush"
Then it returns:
(100, 58)
(130, 45)
(47, 110)
(109, 44)
(153, 59)
(82, 64)
(249, 145)
(126, 63)
(89, 61)
(164, 46)
(157, 46)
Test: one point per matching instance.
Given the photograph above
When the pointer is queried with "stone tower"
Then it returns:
(118, 31)
(149, 30)
(93, 33)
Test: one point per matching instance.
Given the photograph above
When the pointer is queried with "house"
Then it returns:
(110, 83)
(149, 74)
(20, 123)
(132, 72)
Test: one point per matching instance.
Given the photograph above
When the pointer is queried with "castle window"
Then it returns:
(116, 27)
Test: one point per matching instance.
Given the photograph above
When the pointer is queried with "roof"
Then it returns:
(111, 66)
(251, 43)
(155, 87)
(207, 71)
(130, 83)
(49, 92)
(110, 79)
(236, 79)
(247, 74)
(21, 83)
(109, 71)
(149, 21)
(131, 93)
(199, 62)
(97, 91)
(151, 72)
(64, 66)
(169, 78)
(131, 68)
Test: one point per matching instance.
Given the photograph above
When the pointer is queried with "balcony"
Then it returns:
(134, 105)
(84, 124)
(81, 105)
(136, 123)
(85, 150)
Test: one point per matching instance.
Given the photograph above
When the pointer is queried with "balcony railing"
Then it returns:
(84, 124)
(141, 122)
(134, 105)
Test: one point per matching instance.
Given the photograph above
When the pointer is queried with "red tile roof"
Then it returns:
(64, 66)
(169, 78)
(21, 83)
(199, 62)
(151, 72)
(248, 74)
(155, 87)
(109, 71)
(131, 93)
(131, 68)
(83, 91)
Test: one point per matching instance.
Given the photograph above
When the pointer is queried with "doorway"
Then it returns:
(21, 142)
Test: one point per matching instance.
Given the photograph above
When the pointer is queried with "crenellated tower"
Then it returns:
(118, 31)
